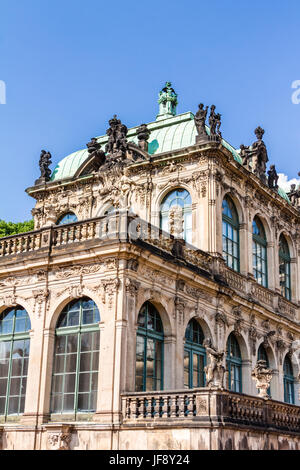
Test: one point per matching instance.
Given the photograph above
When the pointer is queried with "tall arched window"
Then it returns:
(194, 356)
(288, 381)
(76, 358)
(178, 200)
(67, 219)
(230, 233)
(149, 350)
(259, 252)
(234, 364)
(14, 356)
(284, 268)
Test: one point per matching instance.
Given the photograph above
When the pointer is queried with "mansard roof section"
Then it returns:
(165, 136)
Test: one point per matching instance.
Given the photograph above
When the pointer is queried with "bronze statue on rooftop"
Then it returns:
(44, 163)
(117, 140)
(200, 118)
(273, 178)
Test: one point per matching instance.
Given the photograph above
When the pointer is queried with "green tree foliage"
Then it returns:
(12, 228)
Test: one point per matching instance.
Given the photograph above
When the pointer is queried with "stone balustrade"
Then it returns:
(257, 293)
(124, 226)
(208, 406)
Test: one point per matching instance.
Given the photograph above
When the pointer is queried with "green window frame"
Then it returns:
(76, 359)
(194, 356)
(14, 358)
(230, 234)
(259, 253)
(284, 268)
(234, 364)
(182, 198)
(149, 350)
(288, 381)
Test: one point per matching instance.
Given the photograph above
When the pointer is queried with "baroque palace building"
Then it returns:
(156, 304)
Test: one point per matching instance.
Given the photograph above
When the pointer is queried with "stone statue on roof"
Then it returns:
(214, 121)
(255, 158)
(200, 118)
(94, 150)
(117, 140)
(259, 155)
(273, 178)
(44, 163)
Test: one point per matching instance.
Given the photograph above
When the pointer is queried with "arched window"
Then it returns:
(288, 381)
(230, 233)
(234, 364)
(178, 201)
(76, 358)
(67, 219)
(149, 350)
(194, 356)
(284, 268)
(14, 356)
(259, 252)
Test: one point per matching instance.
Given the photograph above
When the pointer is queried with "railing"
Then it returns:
(258, 293)
(208, 406)
(128, 227)
(122, 226)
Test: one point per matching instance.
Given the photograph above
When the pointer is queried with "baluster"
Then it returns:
(191, 405)
(173, 408)
(155, 407)
(134, 407)
(164, 407)
(181, 405)
(72, 234)
(127, 408)
(2, 249)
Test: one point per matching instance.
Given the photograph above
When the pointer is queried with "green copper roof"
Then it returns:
(168, 134)
(165, 135)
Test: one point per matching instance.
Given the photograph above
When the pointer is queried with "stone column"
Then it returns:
(108, 402)
(244, 247)
(35, 391)
(273, 268)
(246, 377)
(46, 376)
(294, 280)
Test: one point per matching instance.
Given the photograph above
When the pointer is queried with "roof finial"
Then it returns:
(167, 102)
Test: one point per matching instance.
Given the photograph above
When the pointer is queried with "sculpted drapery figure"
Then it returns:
(94, 149)
(214, 122)
(215, 370)
(259, 155)
(44, 163)
(117, 141)
(255, 158)
(200, 118)
(273, 178)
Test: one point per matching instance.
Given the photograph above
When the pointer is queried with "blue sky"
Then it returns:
(69, 65)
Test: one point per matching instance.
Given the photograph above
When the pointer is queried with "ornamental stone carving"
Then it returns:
(215, 370)
(132, 287)
(44, 163)
(200, 118)
(176, 221)
(40, 297)
(110, 287)
(60, 439)
(262, 377)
